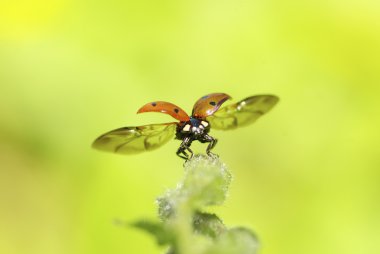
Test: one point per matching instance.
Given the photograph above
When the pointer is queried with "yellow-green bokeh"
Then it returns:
(306, 176)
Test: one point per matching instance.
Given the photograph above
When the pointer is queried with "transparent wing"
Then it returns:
(131, 140)
(242, 113)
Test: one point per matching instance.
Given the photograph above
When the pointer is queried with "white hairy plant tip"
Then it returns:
(206, 180)
(183, 225)
(205, 183)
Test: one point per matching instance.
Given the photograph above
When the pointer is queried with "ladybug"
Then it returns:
(206, 114)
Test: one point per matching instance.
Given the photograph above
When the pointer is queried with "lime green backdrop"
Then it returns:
(306, 176)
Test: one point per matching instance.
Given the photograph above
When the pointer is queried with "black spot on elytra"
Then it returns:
(213, 103)
(176, 110)
(154, 104)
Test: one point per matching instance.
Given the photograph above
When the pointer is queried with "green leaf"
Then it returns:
(162, 233)
(235, 241)
(208, 224)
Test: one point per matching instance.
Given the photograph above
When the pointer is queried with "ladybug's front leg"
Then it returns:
(185, 145)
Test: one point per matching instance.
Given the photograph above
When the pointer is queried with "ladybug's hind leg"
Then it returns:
(185, 145)
(212, 142)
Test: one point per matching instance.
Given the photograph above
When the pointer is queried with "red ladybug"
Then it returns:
(205, 115)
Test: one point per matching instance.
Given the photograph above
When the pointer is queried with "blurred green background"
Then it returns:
(306, 176)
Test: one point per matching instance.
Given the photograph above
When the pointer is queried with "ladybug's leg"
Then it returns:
(212, 142)
(190, 151)
(185, 145)
(185, 156)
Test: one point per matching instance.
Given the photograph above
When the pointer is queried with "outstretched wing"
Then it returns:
(131, 140)
(242, 113)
